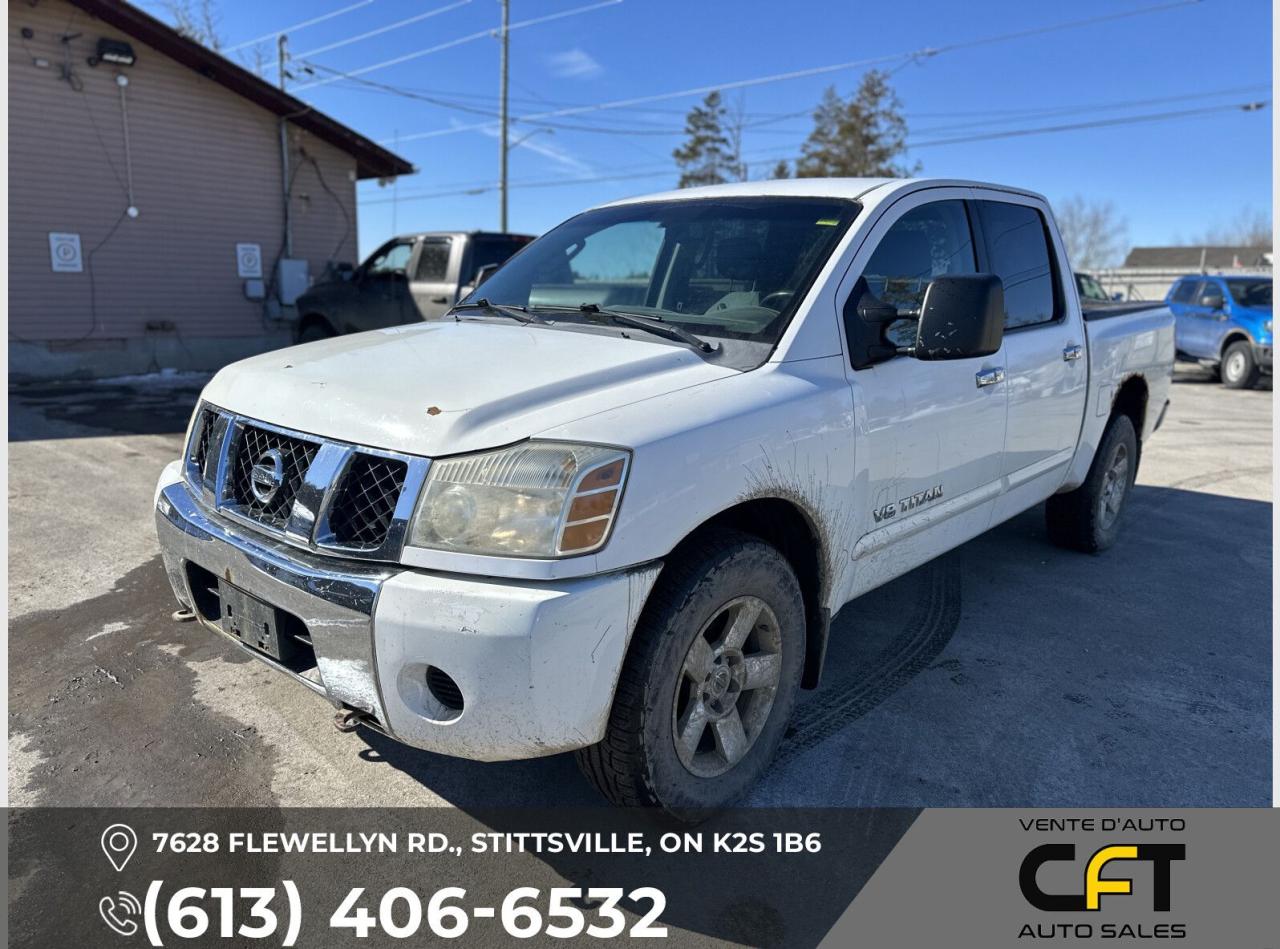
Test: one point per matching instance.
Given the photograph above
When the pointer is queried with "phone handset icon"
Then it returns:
(116, 912)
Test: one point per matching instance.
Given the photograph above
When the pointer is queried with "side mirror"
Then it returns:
(1211, 300)
(484, 273)
(961, 317)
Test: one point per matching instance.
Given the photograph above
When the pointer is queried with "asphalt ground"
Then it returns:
(1007, 673)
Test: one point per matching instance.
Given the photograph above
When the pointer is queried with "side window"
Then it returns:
(433, 260)
(1184, 292)
(926, 242)
(393, 258)
(1018, 248)
(1210, 294)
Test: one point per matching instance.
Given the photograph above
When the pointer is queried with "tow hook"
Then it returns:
(183, 615)
(348, 719)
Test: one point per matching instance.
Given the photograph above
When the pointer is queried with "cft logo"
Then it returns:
(1160, 856)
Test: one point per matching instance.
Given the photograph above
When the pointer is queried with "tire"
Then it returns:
(1078, 519)
(1239, 370)
(315, 330)
(713, 587)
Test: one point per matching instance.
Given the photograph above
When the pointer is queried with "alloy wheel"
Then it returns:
(1115, 483)
(728, 683)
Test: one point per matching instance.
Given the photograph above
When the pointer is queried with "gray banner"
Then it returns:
(992, 878)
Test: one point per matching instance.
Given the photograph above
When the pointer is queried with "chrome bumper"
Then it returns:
(536, 662)
(337, 607)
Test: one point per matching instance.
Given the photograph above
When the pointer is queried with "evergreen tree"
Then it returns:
(858, 137)
(708, 156)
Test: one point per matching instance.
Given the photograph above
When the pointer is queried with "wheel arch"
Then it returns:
(1131, 401)
(1234, 336)
(790, 527)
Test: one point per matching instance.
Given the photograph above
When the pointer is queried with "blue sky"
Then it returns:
(1168, 179)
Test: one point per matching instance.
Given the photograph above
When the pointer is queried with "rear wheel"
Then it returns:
(1239, 370)
(1089, 518)
(710, 680)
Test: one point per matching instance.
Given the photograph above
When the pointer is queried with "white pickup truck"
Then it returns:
(610, 503)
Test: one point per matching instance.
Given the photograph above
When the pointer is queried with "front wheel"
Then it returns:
(709, 682)
(1239, 369)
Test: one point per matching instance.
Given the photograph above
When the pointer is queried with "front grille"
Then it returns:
(348, 497)
(255, 446)
(366, 500)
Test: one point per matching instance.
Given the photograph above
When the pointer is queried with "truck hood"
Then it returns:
(448, 387)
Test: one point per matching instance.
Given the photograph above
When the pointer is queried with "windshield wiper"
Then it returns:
(499, 309)
(652, 324)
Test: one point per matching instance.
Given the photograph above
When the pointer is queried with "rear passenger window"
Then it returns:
(1185, 291)
(433, 261)
(926, 242)
(1018, 249)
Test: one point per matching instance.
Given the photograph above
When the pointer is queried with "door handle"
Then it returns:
(439, 299)
(989, 377)
(1072, 353)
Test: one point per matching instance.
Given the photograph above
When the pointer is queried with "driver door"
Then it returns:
(930, 434)
(382, 297)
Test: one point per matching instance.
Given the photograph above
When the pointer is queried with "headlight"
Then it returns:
(536, 499)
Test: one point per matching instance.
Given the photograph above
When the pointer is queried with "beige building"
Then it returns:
(147, 224)
(1148, 272)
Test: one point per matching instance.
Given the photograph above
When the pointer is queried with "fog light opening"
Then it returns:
(444, 690)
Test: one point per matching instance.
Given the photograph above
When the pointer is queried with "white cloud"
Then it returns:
(575, 64)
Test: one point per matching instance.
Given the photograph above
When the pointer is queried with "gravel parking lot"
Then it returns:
(1008, 673)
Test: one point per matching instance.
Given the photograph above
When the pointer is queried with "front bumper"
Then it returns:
(1262, 356)
(536, 663)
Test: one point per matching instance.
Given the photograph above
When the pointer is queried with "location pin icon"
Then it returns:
(118, 843)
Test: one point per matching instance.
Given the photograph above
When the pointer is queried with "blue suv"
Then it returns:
(1224, 323)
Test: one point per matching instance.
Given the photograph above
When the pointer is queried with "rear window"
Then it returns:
(1184, 291)
(1018, 252)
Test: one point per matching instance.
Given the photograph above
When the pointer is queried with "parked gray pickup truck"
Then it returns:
(409, 278)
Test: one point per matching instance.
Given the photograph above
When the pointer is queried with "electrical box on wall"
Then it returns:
(293, 280)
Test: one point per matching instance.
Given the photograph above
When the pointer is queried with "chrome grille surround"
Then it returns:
(328, 473)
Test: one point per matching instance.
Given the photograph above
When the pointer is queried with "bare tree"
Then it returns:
(1095, 236)
(1251, 228)
(735, 120)
(196, 20)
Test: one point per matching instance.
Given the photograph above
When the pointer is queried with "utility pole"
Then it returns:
(502, 115)
(282, 51)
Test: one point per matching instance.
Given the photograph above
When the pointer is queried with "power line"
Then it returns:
(450, 44)
(1096, 123)
(1094, 107)
(384, 29)
(297, 26)
(479, 188)
(913, 55)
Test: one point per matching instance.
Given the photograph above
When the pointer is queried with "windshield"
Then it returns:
(1090, 289)
(1252, 293)
(731, 269)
